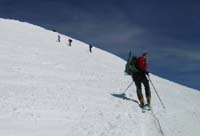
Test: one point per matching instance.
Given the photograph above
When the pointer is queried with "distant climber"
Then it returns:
(140, 78)
(70, 42)
(58, 38)
(90, 48)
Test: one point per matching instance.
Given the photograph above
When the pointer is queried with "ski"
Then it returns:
(145, 108)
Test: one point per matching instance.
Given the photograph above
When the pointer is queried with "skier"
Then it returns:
(70, 42)
(58, 38)
(140, 78)
(90, 48)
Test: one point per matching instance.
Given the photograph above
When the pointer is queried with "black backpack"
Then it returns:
(131, 65)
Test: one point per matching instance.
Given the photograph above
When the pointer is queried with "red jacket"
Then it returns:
(142, 64)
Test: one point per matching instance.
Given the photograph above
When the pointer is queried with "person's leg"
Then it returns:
(145, 82)
(139, 91)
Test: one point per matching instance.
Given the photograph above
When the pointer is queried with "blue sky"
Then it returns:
(168, 30)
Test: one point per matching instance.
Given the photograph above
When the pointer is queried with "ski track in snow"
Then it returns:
(49, 88)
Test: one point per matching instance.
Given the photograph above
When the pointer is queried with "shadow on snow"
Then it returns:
(123, 96)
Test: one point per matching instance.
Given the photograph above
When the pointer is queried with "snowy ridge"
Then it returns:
(48, 88)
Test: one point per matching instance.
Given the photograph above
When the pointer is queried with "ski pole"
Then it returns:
(156, 92)
(128, 87)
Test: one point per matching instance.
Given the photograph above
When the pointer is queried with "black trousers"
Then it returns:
(140, 79)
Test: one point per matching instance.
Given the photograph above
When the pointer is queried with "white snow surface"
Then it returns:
(48, 88)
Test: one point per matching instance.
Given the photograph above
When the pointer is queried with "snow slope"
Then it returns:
(50, 89)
